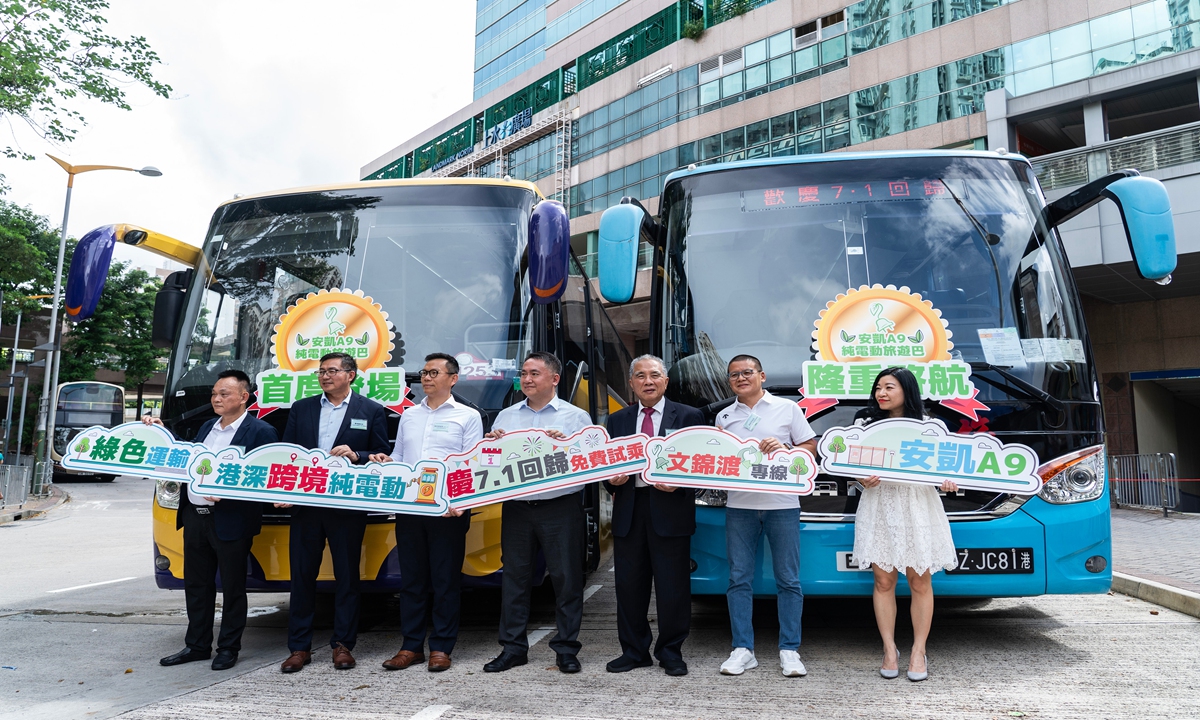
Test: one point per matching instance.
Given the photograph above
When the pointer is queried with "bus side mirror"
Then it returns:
(168, 308)
(549, 251)
(1146, 212)
(620, 232)
(88, 273)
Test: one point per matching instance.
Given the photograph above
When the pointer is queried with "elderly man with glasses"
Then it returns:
(775, 423)
(347, 425)
(432, 548)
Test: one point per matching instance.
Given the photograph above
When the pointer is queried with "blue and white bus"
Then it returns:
(751, 257)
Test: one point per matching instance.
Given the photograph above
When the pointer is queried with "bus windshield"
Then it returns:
(442, 261)
(771, 245)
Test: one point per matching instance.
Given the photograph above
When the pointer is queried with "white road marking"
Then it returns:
(587, 594)
(538, 634)
(432, 712)
(80, 587)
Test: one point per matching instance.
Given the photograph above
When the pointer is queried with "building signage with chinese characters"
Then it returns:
(925, 452)
(508, 127)
(324, 322)
(525, 462)
(863, 331)
(703, 457)
(131, 449)
(287, 473)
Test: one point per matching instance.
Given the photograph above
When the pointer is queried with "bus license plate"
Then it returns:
(994, 561)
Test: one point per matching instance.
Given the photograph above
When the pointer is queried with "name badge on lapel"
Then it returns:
(358, 424)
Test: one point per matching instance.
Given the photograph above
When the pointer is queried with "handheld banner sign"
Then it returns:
(287, 473)
(925, 452)
(526, 462)
(704, 457)
(133, 448)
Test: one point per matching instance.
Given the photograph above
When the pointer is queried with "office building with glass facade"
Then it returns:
(595, 100)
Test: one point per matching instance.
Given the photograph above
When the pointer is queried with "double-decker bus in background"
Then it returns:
(813, 263)
(470, 267)
(80, 405)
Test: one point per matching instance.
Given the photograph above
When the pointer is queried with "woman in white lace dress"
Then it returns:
(902, 526)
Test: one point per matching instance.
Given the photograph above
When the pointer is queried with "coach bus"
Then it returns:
(754, 257)
(80, 405)
(477, 268)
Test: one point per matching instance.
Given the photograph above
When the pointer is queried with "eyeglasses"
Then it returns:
(743, 374)
(330, 371)
(431, 374)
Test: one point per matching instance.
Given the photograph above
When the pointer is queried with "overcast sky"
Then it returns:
(267, 95)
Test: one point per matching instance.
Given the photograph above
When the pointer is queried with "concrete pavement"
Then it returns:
(1154, 558)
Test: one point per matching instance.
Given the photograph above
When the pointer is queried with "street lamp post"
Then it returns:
(46, 406)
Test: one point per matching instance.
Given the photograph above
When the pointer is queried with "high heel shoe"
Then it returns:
(919, 676)
(891, 674)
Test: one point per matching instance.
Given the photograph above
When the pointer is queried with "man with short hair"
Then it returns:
(652, 529)
(432, 548)
(346, 425)
(217, 534)
(776, 424)
(552, 521)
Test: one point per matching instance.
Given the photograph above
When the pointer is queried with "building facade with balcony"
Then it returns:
(595, 100)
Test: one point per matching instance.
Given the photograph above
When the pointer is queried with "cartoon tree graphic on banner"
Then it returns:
(82, 447)
(798, 468)
(836, 445)
(205, 468)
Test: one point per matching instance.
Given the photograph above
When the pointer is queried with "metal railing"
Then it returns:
(1147, 481)
(1146, 152)
(14, 485)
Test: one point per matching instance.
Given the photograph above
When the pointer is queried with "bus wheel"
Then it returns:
(106, 478)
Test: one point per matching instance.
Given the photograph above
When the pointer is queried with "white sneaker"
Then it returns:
(740, 660)
(789, 663)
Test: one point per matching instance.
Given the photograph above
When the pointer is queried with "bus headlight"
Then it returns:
(1077, 477)
(167, 494)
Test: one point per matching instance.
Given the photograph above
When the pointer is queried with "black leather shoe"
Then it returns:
(224, 660)
(674, 668)
(567, 663)
(185, 655)
(505, 661)
(625, 664)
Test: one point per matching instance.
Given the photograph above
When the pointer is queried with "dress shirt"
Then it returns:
(656, 417)
(331, 421)
(432, 434)
(558, 415)
(217, 439)
(778, 418)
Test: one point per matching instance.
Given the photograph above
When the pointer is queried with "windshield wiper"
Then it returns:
(1031, 392)
(989, 239)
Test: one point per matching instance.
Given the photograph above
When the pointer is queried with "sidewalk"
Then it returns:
(35, 506)
(1157, 559)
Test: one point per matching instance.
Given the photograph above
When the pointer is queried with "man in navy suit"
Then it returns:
(653, 527)
(217, 534)
(347, 425)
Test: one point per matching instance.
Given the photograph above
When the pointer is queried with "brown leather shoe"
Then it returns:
(342, 659)
(403, 659)
(296, 661)
(438, 661)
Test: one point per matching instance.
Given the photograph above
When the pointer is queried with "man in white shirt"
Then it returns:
(552, 521)
(776, 424)
(432, 548)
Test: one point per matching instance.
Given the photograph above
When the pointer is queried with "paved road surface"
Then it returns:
(1052, 657)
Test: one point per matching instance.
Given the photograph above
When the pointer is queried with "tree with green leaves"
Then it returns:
(53, 52)
(29, 247)
(117, 336)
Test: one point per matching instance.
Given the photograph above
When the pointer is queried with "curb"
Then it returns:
(1172, 598)
(60, 497)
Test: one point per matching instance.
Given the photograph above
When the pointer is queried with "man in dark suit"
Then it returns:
(344, 424)
(653, 527)
(217, 534)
